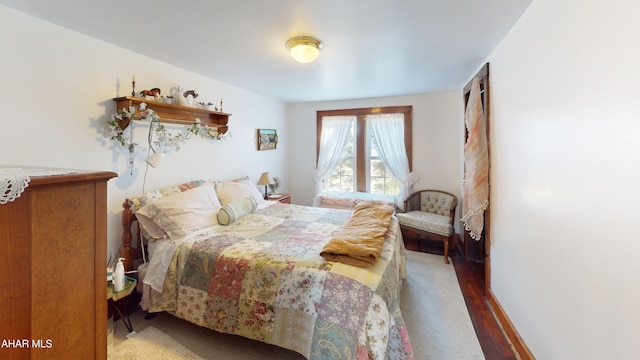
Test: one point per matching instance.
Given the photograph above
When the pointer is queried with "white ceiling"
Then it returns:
(372, 48)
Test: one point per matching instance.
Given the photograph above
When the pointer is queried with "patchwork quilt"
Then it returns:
(263, 278)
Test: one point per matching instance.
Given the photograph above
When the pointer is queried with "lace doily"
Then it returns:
(13, 181)
(11, 187)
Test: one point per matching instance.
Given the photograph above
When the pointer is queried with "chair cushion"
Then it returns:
(434, 223)
(436, 202)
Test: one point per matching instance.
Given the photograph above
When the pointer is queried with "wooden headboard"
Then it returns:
(127, 251)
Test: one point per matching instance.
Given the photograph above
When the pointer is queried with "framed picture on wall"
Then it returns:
(267, 139)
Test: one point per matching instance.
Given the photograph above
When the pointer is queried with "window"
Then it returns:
(381, 181)
(360, 166)
(344, 176)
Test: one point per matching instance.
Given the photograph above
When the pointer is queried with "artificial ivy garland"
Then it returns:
(163, 138)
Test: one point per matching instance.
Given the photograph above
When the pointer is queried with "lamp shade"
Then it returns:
(264, 179)
(155, 159)
(304, 49)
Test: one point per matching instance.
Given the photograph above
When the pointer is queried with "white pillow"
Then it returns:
(231, 191)
(188, 211)
(149, 228)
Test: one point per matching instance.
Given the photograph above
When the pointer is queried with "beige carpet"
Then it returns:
(431, 302)
(150, 343)
(435, 312)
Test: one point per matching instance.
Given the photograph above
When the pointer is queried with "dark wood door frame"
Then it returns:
(473, 249)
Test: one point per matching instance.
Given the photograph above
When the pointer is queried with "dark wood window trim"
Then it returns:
(360, 133)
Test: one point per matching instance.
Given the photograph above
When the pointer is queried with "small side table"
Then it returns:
(285, 198)
(282, 198)
(114, 297)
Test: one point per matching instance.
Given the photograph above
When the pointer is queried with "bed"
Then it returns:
(261, 276)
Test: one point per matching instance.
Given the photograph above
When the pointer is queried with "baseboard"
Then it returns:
(512, 334)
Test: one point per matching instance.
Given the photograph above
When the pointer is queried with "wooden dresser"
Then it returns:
(53, 270)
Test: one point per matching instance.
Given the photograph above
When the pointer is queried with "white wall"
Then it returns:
(565, 170)
(57, 89)
(438, 134)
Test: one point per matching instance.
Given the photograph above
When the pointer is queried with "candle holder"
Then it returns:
(133, 88)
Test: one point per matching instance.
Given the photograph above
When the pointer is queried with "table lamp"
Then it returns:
(264, 181)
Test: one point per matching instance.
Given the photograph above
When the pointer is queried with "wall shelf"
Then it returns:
(177, 114)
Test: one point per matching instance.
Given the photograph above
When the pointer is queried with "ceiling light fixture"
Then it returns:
(304, 49)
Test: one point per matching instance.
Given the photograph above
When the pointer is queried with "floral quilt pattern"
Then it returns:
(262, 278)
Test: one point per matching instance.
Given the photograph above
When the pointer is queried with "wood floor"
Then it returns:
(471, 278)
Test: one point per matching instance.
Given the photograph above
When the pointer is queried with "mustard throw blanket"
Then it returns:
(360, 241)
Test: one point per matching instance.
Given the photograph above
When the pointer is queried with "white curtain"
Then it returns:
(388, 130)
(333, 138)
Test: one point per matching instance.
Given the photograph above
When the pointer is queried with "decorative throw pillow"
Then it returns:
(236, 210)
(235, 190)
(180, 214)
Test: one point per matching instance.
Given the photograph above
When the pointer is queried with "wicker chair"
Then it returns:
(430, 213)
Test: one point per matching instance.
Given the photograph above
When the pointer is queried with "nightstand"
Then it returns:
(283, 198)
(115, 297)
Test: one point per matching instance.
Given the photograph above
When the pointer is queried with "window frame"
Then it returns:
(360, 133)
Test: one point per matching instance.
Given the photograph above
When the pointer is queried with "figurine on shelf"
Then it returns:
(186, 98)
(155, 93)
(191, 93)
